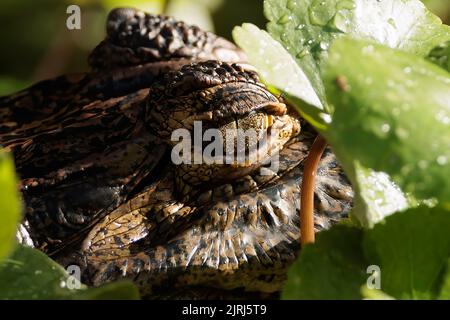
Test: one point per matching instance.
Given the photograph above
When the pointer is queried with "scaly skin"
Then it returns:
(233, 228)
(100, 190)
(79, 142)
(135, 37)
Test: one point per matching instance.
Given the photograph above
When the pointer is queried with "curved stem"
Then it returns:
(307, 190)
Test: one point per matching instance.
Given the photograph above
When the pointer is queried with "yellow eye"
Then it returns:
(269, 121)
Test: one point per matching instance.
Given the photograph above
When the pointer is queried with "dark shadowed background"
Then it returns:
(35, 43)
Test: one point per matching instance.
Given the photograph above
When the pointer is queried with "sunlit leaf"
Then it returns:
(10, 205)
(407, 254)
(277, 67)
(30, 274)
(392, 115)
(376, 196)
(411, 249)
(332, 268)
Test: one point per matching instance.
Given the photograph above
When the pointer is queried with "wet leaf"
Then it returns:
(393, 119)
(311, 25)
(117, 290)
(406, 255)
(376, 196)
(30, 274)
(277, 67)
(332, 268)
(411, 248)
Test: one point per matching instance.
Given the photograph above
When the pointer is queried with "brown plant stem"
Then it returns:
(307, 191)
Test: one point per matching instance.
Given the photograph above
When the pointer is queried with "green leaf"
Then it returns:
(332, 268)
(313, 24)
(392, 114)
(289, 24)
(275, 64)
(376, 196)
(411, 248)
(307, 27)
(10, 205)
(440, 55)
(30, 274)
(445, 288)
(401, 24)
(118, 290)
(374, 294)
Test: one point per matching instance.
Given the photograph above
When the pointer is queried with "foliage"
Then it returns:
(412, 259)
(380, 71)
(27, 273)
(10, 206)
(30, 274)
(371, 76)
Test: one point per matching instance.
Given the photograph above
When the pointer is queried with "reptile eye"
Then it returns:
(269, 121)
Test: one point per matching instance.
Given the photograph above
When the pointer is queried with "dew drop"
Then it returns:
(442, 160)
(300, 26)
(325, 117)
(284, 19)
(302, 53)
(385, 128)
(320, 15)
(292, 4)
(346, 4)
(323, 45)
(340, 22)
(392, 22)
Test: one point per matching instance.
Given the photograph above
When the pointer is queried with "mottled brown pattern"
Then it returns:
(135, 37)
(100, 190)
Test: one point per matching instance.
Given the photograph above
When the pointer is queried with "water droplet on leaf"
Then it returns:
(385, 128)
(284, 19)
(319, 14)
(346, 4)
(302, 53)
(323, 45)
(291, 4)
(442, 160)
(392, 22)
(325, 117)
